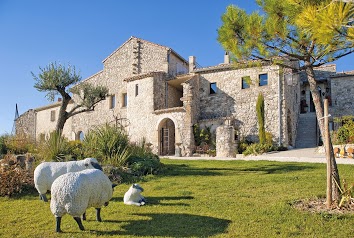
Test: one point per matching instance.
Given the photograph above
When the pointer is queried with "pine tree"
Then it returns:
(310, 32)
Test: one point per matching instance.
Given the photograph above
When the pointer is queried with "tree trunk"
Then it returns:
(63, 115)
(319, 113)
(328, 155)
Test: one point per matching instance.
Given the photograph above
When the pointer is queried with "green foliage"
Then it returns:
(345, 133)
(144, 165)
(76, 150)
(203, 135)
(258, 148)
(18, 144)
(54, 147)
(89, 95)
(109, 143)
(242, 145)
(314, 32)
(347, 193)
(328, 20)
(260, 116)
(55, 78)
(3, 147)
(249, 148)
(268, 138)
(142, 161)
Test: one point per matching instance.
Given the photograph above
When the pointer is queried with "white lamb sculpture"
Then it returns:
(133, 196)
(74, 192)
(46, 172)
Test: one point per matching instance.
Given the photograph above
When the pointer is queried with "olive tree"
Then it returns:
(57, 79)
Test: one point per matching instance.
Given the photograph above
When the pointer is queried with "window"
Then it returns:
(52, 115)
(263, 79)
(81, 135)
(112, 102)
(213, 88)
(125, 100)
(136, 90)
(246, 82)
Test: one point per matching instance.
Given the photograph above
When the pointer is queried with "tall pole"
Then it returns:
(328, 154)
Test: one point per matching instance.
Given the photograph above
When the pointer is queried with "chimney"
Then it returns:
(226, 58)
(192, 63)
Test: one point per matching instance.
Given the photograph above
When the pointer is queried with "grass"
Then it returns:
(199, 199)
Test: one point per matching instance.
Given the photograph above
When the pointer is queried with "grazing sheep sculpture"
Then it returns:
(72, 193)
(47, 172)
(133, 196)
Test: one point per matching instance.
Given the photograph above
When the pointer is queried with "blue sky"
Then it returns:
(83, 33)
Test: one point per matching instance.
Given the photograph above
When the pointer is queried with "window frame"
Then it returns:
(124, 100)
(112, 101)
(260, 82)
(213, 91)
(52, 115)
(244, 82)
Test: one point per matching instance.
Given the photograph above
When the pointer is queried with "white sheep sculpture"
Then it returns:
(46, 172)
(72, 193)
(133, 196)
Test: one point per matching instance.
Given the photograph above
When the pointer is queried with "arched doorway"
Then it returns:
(167, 137)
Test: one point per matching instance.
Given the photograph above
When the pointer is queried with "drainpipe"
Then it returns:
(279, 108)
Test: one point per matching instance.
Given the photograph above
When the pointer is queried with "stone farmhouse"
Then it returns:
(158, 95)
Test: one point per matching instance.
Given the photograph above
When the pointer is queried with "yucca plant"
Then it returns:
(54, 147)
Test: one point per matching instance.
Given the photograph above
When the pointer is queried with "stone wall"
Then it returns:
(176, 65)
(45, 125)
(140, 109)
(131, 61)
(173, 96)
(25, 124)
(159, 92)
(342, 95)
(233, 101)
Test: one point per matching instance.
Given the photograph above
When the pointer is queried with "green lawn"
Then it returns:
(199, 199)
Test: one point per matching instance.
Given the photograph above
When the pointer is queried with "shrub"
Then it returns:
(148, 164)
(242, 145)
(345, 133)
(54, 147)
(19, 144)
(109, 143)
(258, 148)
(203, 135)
(76, 150)
(3, 148)
(14, 179)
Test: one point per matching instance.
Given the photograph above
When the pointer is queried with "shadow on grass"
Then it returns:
(171, 225)
(281, 167)
(186, 170)
(161, 200)
(278, 168)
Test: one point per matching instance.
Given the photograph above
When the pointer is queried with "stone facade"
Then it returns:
(157, 95)
(342, 99)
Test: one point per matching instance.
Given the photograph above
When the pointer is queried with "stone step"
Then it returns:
(306, 133)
